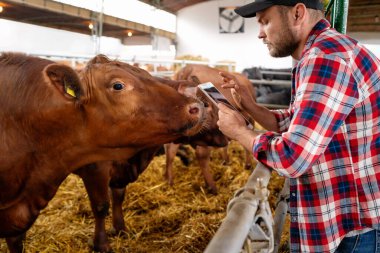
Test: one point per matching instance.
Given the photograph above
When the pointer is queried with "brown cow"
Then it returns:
(202, 74)
(53, 121)
(118, 174)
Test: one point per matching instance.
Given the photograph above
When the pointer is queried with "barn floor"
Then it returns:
(159, 218)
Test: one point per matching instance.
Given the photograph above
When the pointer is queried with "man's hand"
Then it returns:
(233, 125)
(240, 93)
(229, 121)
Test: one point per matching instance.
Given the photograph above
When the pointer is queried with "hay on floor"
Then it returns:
(159, 218)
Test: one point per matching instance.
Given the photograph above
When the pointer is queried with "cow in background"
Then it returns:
(202, 74)
(53, 121)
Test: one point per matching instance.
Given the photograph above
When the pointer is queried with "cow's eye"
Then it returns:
(118, 86)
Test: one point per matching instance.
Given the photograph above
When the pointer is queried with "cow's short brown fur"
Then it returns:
(47, 132)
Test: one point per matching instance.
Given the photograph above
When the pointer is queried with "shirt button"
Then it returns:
(293, 194)
(294, 219)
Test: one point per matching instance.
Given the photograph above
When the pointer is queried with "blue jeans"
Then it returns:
(364, 243)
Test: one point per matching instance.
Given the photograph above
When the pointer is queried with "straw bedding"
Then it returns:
(158, 218)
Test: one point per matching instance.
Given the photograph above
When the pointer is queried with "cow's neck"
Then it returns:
(35, 172)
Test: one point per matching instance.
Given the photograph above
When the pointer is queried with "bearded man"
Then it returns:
(328, 140)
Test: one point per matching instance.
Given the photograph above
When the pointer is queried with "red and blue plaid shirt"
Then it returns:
(329, 142)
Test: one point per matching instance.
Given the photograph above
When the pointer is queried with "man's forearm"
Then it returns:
(245, 137)
(263, 116)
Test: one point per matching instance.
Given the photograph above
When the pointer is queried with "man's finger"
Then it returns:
(224, 108)
(226, 75)
(237, 98)
(221, 106)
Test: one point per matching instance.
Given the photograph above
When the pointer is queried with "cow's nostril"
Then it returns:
(194, 110)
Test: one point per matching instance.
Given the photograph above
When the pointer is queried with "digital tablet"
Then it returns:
(215, 96)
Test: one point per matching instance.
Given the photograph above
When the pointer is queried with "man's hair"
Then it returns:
(314, 14)
(317, 14)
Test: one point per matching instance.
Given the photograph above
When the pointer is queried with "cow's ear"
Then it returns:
(195, 79)
(100, 58)
(184, 89)
(65, 79)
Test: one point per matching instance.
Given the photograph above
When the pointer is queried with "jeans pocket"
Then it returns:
(368, 243)
(348, 244)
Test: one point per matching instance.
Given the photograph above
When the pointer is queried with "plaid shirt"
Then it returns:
(329, 142)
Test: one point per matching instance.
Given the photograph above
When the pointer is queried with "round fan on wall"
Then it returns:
(229, 21)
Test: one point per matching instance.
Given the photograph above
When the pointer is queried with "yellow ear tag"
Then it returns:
(70, 91)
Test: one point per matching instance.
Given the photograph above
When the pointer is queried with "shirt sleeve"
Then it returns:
(283, 119)
(326, 93)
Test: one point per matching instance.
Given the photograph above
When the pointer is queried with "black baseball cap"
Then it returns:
(249, 10)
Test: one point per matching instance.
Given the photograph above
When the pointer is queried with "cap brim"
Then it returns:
(249, 10)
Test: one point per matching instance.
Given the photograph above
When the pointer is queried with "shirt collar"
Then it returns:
(320, 27)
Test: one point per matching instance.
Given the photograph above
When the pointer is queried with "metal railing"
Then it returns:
(155, 62)
(249, 226)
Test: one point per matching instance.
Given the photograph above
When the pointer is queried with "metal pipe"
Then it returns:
(338, 10)
(280, 215)
(341, 15)
(100, 27)
(333, 15)
(234, 230)
(328, 8)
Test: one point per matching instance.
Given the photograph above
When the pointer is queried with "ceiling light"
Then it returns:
(1, 8)
(91, 26)
(129, 34)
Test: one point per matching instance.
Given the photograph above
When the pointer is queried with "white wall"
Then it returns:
(370, 40)
(33, 39)
(198, 34)
(28, 38)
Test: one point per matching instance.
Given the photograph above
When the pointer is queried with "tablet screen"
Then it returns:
(216, 97)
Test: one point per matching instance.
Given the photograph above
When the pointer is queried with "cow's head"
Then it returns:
(210, 135)
(130, 106)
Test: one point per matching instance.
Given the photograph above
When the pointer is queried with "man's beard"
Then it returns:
(287, 44)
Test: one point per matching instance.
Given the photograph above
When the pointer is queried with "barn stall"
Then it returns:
(159, 218)
(182, 218)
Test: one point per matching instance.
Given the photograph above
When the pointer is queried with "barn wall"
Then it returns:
(198, 34)
(370, 40)
(27, 38)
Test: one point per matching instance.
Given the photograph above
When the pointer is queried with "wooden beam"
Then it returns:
(77, 12)
(363, 16)
(363, 28)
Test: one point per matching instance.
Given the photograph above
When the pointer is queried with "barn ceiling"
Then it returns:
(363, 15)
(172, 6)
(71, 18)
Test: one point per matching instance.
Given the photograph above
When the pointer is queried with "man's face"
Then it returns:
(276, 32)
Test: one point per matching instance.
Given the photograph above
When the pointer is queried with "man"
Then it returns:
(328, 141)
